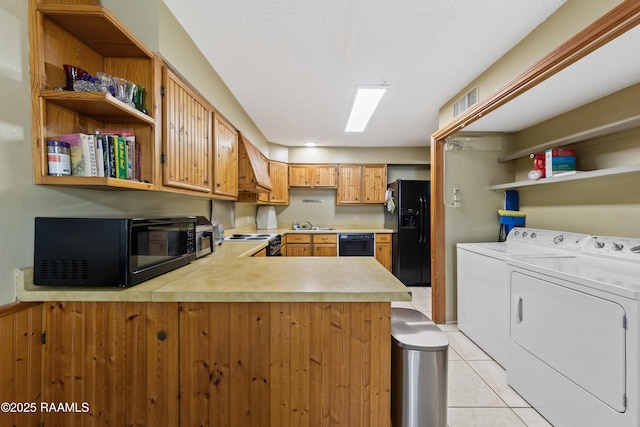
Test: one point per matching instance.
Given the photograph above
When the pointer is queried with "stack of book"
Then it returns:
(560, 161)
(112, 154)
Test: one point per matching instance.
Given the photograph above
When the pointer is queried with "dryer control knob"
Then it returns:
(598, 244)
(617, 246)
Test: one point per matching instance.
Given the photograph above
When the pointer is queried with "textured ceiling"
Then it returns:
(293, 65)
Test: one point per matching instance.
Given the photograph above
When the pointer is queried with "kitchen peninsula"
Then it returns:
(228, 340)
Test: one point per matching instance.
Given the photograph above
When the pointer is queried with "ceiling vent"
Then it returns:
(465, 102)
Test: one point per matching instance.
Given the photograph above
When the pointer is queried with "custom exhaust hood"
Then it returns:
(253, 168)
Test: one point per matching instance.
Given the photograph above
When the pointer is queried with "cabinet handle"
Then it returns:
(162, 335)
(218, 184)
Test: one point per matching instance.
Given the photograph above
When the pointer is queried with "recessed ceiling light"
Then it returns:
(309, 144)
(365, 102)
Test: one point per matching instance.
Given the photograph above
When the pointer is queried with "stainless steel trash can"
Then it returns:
(419, 364)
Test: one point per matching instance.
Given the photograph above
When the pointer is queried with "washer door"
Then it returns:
(579, 335)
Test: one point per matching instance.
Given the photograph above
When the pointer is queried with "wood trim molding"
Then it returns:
(438, 284)
(616, 22)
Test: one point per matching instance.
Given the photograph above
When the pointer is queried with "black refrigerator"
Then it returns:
(408, 216)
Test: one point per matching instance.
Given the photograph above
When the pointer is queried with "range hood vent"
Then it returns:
(253, 169)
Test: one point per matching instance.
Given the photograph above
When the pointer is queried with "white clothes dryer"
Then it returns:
(575, 334)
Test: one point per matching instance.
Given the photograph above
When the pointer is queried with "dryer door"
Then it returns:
(581, 336)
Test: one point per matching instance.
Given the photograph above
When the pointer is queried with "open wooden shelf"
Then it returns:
(96, 182)
(608, 129)
(98, 105)
(97, 28)
(573, 177)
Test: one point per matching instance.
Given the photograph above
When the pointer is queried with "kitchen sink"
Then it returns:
(312, 228)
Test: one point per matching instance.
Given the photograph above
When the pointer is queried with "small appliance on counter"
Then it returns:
(218, 233)
(110, 252)
(204, 237)
(266, 218)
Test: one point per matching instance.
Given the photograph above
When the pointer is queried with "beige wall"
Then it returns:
(608, 206)
(396, 155)
(567, 21)
(474, 172)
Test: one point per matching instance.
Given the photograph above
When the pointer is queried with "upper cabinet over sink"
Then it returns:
(318, 175)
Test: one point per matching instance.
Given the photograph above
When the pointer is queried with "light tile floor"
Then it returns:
(478, 392)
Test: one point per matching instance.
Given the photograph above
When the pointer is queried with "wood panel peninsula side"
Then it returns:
(229, 340)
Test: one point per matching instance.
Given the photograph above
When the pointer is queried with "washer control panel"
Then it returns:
(548, 238)
(617, 247)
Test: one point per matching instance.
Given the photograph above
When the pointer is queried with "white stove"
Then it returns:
(274, 241)
(575, 333)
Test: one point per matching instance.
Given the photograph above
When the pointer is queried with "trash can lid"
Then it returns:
(413, 330)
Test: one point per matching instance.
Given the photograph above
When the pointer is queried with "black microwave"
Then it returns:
(110, 252)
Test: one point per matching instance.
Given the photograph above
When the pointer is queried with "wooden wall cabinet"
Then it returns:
(279, 195)
(349, 185)
(319, 175)
(383, 249)
(374, 185)
(91, 38)
(359, 184)
(186, 136)
(225, 166)
(279, 173)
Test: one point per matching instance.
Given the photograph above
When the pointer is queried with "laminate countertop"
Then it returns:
(231, 274)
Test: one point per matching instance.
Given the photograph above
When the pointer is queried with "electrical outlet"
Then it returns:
(356, 217)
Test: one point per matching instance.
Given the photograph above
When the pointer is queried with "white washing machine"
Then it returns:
(483, 283)
(575, 334)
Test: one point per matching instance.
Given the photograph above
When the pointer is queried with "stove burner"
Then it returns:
(251, 236)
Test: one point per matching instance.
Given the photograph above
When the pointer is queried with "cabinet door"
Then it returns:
(349, 185)
(279, 173)
(298, 249)
(383, 250)
(187, 126)
(325, 249)
(225, 166)
(300, 175)
(324, 176)
(374, 184)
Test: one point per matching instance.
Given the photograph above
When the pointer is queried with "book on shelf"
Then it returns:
(83, 154)
(122, 154)
(108, 153)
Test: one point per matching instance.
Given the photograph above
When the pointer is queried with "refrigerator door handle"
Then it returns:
(423, 219)
(420, 220)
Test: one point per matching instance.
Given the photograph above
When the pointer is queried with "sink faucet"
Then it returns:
(310, 225)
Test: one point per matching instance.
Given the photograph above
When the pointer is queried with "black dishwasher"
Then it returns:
(352, 244)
